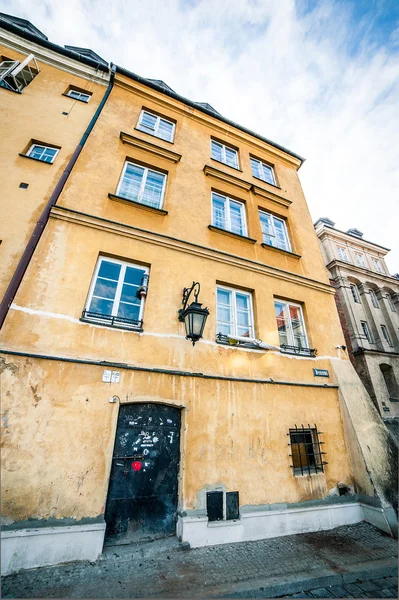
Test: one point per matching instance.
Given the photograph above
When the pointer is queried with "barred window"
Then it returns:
(306, 453)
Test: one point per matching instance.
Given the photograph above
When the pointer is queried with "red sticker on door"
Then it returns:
(136, 465)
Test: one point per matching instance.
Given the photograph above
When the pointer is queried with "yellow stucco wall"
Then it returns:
(35, 114)
(60, 426)
(59, 433)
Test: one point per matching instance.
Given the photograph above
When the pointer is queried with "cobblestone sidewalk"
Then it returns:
(384, 587)
(246, 569)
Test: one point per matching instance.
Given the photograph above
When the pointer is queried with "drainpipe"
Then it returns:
(42, 222)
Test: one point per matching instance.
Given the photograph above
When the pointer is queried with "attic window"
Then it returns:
(78, 94)
(16, 75)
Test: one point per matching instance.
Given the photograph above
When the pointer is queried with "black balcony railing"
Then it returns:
(110, 321)
(298, 350)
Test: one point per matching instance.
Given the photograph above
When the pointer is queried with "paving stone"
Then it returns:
(338, 591)
(321, 593)
(352, 588)
(368, 586)
(389, 593)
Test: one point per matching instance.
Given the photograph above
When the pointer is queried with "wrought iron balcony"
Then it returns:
(110, 321)
(285, 348)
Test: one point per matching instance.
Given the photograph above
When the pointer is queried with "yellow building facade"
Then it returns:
(115, 424)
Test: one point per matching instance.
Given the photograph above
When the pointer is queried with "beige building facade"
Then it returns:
(116, 426)
(370, 299)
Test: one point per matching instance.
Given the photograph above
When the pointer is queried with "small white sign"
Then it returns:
(106, 376)
(115, 377)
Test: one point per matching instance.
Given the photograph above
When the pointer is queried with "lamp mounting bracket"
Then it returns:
(194, 289)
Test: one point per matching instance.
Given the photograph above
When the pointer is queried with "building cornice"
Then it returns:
(330, 232)
(141, 144)
(227, 178)
(365, 274)
(272, 196)
(187, 108)
(53, 58)
(73, 216)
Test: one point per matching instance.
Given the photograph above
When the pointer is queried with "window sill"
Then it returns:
(149, 147)
(36, 159)
(158, 211)
(226, 165)
(154, 135)
(77, 99)
(268, 247)
(237, 236)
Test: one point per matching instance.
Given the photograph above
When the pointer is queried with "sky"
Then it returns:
(320, 77)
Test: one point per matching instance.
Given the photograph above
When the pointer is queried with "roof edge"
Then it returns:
(51, 46)
(354, 237)
(193, 104)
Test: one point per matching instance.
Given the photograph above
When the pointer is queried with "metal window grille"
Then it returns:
(298, 350)
(111, 321)
(306, 452)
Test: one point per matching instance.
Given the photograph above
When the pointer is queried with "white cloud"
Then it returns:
(317, 83)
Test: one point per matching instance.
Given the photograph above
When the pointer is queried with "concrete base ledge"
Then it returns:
(257, 525)
(29, 548)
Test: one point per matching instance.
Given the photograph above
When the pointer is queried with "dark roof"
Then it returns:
(208, 107)
(88, 53)
(162, 84)
(29, 32)
(23, 24)
(202, 106)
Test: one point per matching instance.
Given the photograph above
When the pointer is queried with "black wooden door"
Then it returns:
(142, 495)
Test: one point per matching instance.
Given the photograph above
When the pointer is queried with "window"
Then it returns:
(234, 312)
(262, 171)
(306, 454)
(342, 254)
(376, 265)
(117, 294)
(360, 260)
(366, 331)
(374, 299)
(143, 185)
(44, 153)
(390, 302)
(274, 231)
(224, 154)
(72, 93)
(290, 324)
(156, 125)
(386, 335)
(228, 214)
(15, 76)
(355, 293)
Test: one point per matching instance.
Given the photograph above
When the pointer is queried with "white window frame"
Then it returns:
(366, 331)
(263, 165)
(143, 182)
(227, 201)
(21, 70)
(72, 93)
(342, 250)
(287, 317)
(386, 335)
(391, 303)
(158, 118)
(274, 218)
(30, 151)
(360, 260)
(118, 292)
(376, 264)
(355, 293)
(233, 308)
(374, 299)
(224, 160)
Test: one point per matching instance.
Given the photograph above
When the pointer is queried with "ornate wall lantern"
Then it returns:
(193, 316)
